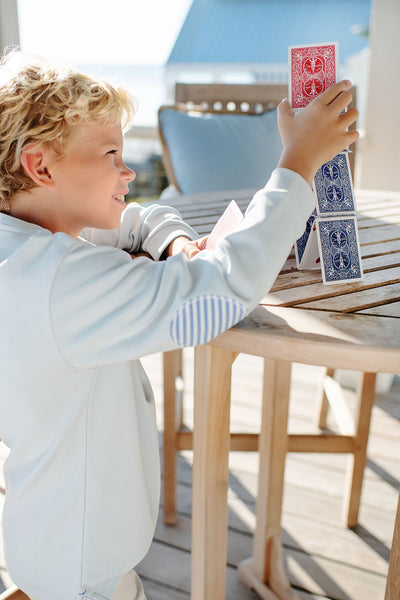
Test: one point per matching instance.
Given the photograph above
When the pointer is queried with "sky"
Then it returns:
(101, 31)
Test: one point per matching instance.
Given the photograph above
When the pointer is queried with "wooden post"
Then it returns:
(265, 572)
(210, 471)
(172, 367)
(323, 404)
(357, 460)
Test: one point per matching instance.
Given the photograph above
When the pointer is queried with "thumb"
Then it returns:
(284, 110)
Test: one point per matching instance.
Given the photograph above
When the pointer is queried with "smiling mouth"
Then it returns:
(120, 197)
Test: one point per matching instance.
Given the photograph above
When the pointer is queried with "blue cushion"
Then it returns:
(212, 151)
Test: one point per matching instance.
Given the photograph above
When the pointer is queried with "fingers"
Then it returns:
(349, 117)
(331, 93)
(341, 102)
(351, 137)
(201, 242)
(192, 248)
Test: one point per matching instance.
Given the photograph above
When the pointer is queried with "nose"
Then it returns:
(127, 173)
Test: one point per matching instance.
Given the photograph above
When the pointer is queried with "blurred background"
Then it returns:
(148, 46)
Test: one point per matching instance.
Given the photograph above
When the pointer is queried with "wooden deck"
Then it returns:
(324, 560)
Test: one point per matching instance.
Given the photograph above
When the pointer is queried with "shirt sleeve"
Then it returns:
(106, 307)
(149, 228)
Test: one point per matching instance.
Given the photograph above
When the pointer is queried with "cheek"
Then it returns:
(106, 171)
(99, 178)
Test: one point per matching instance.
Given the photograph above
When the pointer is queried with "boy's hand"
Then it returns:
(315, 134)
(187, 246)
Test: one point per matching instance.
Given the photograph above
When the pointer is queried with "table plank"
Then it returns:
(291, 277)
(379, 248)
(378, 221)
(324, 338)
(378, 197)
(380, 245)
(318, 291)
(356, 302)
(381, 212)
(379, 234)
(387, 310)
(371, 263)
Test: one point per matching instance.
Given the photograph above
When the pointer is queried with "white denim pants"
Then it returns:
(128, 588)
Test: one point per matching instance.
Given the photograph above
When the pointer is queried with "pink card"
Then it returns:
(312, 70)
(227, 223)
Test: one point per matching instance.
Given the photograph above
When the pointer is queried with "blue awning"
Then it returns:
(260, 31)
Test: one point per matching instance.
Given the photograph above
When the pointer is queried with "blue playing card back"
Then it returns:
(339, 249)
(333, 187)
(301, 243)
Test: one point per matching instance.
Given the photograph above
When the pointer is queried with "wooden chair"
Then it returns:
(233, 99)
(353, 433)
(220, 99)
(14, 593)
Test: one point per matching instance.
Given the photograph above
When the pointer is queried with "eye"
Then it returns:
(112, 152)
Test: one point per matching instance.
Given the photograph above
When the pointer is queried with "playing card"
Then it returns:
(312, 70)
(339, 249)
(306, 247)
(227, 222)
(333, 187)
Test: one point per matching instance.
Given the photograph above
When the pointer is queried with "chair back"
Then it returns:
(236, 98)
(239, 98)
(217, 98)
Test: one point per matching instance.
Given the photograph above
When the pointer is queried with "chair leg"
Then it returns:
(13, 593)
(172, 363)
(323, 405)
(393, 580)
(357, 460)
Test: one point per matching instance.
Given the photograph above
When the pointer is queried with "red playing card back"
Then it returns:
(312, 70)
(229, 220)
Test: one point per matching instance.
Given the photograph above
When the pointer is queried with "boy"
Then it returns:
(76, 409)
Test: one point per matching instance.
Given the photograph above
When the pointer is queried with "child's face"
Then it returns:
(91, 179)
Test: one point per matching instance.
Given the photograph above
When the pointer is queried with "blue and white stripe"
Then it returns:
(201, 319)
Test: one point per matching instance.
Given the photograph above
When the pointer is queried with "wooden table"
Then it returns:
(350, 326)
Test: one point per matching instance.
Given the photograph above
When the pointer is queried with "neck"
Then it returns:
(35, 207)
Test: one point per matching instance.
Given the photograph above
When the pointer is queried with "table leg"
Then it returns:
(172, 363)
(264, 572)
(357, 460)
(393, 580)
(323, 404)
(210, 472)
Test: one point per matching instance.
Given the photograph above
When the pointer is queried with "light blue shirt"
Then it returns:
(76, 408)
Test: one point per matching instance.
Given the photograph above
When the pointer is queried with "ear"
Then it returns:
(36, 163)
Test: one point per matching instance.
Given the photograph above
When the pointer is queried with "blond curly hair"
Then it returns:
(40, 101)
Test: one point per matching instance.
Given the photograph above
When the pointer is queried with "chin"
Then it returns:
(113, 220)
